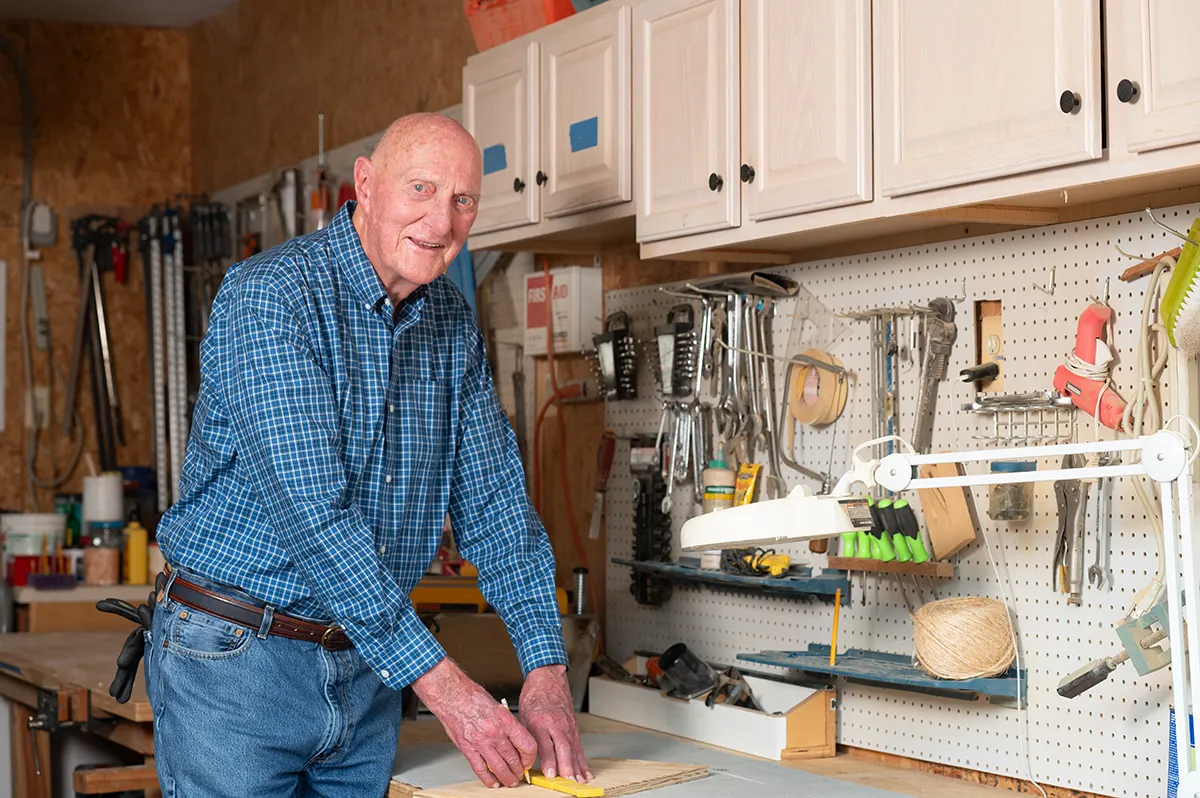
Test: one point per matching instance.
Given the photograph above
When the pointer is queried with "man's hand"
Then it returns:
(487, 733)
(548, 711)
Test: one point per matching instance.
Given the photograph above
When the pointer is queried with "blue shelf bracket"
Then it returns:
(896, 671)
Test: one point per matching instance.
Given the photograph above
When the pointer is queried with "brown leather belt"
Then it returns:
(331, 638)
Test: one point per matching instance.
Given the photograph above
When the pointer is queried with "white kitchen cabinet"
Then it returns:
(806, 98)
(969, 91)
(586, 147)
(1154, 75)
(500, 109)
(686, 116)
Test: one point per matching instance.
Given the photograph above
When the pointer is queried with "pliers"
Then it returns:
(1067, 566)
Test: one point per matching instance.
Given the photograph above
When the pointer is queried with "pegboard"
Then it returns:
(1111, 740)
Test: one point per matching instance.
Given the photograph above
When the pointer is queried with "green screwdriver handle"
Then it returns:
(892, 524)
(886, 552)
(911, 530)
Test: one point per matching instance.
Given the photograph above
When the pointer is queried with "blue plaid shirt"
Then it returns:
(329, 442)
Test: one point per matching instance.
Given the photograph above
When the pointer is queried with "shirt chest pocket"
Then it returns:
(419, 423)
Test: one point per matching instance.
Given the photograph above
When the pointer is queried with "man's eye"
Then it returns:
(419, 186)
(466, 202)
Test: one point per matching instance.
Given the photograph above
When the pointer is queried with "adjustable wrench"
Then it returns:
(940, 332)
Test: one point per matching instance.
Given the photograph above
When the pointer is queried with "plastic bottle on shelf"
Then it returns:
(719, 481)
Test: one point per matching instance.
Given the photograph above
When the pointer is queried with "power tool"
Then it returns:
(1084, 377)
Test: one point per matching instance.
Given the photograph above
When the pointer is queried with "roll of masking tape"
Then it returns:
(817, 396)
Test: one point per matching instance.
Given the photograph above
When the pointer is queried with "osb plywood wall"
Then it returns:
(111, 113)
(262, 69)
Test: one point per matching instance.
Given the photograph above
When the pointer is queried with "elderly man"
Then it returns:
(346, 406)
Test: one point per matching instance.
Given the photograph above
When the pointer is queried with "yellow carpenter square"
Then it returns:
(559, 784)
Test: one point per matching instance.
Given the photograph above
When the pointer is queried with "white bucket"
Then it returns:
(24, 532)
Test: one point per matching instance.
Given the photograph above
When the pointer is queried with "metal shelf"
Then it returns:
(824, 586)
(892, 670)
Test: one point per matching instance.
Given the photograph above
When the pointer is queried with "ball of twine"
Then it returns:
(963, 638)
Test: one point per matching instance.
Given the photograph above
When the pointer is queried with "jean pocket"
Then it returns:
(202, 636)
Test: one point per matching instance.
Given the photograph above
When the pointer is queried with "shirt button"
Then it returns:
(391, 408)
(384, 673)
(383, 549)
(388, 478)
(367, 305)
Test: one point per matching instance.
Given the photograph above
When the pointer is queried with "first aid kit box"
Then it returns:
(576, 305)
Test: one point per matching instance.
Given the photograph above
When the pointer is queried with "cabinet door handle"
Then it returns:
(747, 173)
(542, 178)
(1068, 102)
(715, 182)
(518, 185)
(1128, 91)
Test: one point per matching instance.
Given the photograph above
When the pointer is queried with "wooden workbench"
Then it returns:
(76, 669)
(68, 674)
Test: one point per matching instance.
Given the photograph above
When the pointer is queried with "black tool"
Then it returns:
(135, 644)
(984, 371)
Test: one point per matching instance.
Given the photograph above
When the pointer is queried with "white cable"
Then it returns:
(1195, 431)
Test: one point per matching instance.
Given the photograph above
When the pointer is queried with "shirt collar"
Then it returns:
(357, 268)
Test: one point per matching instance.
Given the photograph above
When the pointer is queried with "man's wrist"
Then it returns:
(439, 684)
(548, 670)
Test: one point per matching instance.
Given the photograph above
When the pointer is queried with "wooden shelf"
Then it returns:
(824, 586)
(892, 670)
(945, 570)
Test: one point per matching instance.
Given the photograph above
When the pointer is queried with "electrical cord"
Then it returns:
(1009, 601)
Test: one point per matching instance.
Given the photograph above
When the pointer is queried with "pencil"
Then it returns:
(504, 703)
(837, 603)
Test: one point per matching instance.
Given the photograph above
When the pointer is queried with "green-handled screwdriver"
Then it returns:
(882, 537)
(863, 550)
(911, 529)
(892, 525)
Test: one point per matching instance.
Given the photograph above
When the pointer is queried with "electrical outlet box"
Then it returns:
(43, 226)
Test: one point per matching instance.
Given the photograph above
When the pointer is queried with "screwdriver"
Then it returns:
(892, 524)
(912, 530)
(868, 549)
(883, 549)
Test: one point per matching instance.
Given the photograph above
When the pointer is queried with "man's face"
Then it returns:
(420, 204)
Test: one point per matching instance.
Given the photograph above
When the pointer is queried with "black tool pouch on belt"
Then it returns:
(135, 645)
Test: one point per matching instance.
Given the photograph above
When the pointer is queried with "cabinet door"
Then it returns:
(500, 109)
(806, 140)
(1152, 50)
(585, 113)
(686, 112)
(974, 90)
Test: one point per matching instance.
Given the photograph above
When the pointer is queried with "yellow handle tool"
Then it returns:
(559, 784)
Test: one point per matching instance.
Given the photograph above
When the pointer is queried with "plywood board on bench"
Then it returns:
(615, 776)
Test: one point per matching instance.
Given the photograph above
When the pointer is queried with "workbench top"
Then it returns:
(134, 594)
(85, 660)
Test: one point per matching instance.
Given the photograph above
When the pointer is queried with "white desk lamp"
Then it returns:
(1165, 458)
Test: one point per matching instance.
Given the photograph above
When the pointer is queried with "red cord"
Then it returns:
(555, 398)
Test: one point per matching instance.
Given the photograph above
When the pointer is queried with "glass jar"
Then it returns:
(1012, 501)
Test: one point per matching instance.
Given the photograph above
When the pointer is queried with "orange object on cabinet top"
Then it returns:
(495, 22)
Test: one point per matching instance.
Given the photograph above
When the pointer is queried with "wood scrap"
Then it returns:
(616, 777)
(1140, 270)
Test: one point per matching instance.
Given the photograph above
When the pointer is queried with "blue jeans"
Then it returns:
(237, 713)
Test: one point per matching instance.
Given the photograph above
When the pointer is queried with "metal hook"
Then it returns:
(1049, 290)
(1097, 300)
(666, 290)
(1170, 230)
(708, 291)
(964, 292)
(1133, 257)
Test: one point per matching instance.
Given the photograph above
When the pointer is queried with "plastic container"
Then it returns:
(136, 568)
(102, 554)
(24, 533)
(719, 481)
(494, 22)
(1011, 502)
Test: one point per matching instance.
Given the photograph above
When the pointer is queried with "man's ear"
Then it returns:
(364, 172)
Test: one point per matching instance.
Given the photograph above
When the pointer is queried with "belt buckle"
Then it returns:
(325, 644)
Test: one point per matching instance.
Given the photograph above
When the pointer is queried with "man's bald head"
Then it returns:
(415, 131)
(418, 195)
